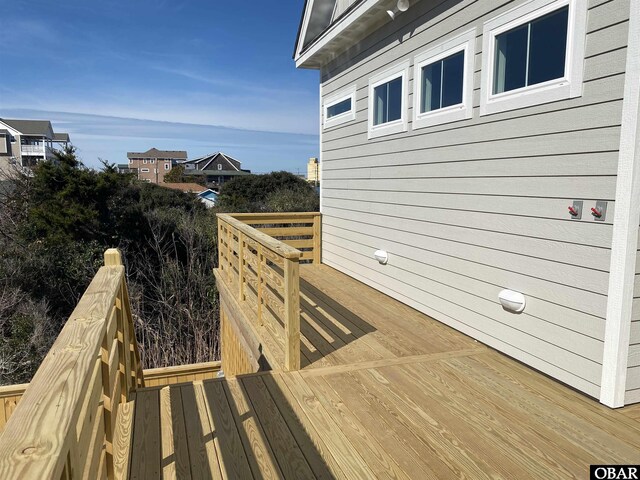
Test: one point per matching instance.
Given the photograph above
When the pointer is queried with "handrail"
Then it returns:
(262, 272)
(64, 425)
(300, 230)
(277, 247)
(10, 395)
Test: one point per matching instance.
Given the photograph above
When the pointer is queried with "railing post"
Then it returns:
(221, 265)
(317, 238)
(292, 314)
(112, 258)
(260, 282)
(240, 266)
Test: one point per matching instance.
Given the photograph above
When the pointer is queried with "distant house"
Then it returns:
(206, 195)
(152, 165)
(184, 187)
(313, 171)
(24, 143)
(209, 198)
(125, 168)
(216, 168)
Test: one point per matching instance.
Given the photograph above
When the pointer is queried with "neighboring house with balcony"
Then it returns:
(24, 143)
(489, 146)
(152, 165)
(216, 168)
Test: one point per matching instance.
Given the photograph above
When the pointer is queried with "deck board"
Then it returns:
(349, 322)
(388, 393)
(473, 415)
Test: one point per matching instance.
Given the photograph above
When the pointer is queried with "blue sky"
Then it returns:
(200, 75)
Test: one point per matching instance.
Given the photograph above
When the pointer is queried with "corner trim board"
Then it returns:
(625, 230)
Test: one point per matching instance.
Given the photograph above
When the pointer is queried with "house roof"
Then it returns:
(155, 153)
(208, 194)
(326, 33)
(204, 162)
(317, 17)
(61, 137)
(184, 187)
(29, 127)
(217, 173)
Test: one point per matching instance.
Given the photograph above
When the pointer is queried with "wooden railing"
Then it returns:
(259, 261)
(65, 422)
(159, 377)
(10, 395)
(300, 230)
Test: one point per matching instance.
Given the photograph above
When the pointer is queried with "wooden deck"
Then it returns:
(385, 392)
(475, 415)
(344, 321)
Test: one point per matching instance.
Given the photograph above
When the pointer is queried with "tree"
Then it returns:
(177, 175)
(273, 192)
(55, 226)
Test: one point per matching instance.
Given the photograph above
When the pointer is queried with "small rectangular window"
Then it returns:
(166, 166)
(531, 53)
(340, 107)
(219, 166)
(444, 81)
(387, 103)
(144, 161)
(144, 170)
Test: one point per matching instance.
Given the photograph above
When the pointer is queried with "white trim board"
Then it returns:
(625, 229)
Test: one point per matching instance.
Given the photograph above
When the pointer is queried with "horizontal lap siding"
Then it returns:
(468, 208)
(633, 369)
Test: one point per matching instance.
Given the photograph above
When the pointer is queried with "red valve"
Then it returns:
(574, 211)
(595, 212)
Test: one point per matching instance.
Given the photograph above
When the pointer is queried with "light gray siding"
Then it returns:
(466, 209)
(633, 370)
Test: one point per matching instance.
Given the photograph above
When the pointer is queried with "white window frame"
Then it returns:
(569, 86)
(144, 170)
(144, 161)
(400, 70)
(341, 96)
(219, 166)
(166, 166)
(465, 42)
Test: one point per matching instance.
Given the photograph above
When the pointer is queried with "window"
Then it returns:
(152, 161)
(340, 107)
(144, 161)
(387, 101)
(534, 55)
(167, 166)
(531, 53)
(444, 82)
(144, 170)
(219, 166)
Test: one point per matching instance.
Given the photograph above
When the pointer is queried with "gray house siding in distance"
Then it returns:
(468, 208)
